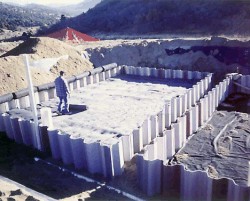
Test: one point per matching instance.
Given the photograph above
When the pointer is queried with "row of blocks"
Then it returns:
(181, 184)
(244, 81)
(173, 139)
(22, 130)
(165, 73)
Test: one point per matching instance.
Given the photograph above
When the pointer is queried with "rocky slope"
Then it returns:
(143, 17)
(13, 16)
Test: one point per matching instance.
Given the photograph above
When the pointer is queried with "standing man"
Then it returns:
(62, 92)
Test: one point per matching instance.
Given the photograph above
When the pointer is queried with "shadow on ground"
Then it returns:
(238, 102)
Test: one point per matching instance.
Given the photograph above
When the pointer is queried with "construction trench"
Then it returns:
(152, 125)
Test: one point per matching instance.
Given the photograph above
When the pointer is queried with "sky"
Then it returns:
(43, 2)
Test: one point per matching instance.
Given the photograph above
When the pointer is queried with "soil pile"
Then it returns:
(12, 69)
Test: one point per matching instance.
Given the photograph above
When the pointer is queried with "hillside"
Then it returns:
(77, 9)
(164, 16)
(13, 16)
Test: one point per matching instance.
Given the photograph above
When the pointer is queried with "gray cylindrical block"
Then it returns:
(54, 143)
(198, 92)
(236, 192)
(35, 135)
(128, 145)
(64, 143)
(138, 140)
(16, 129)
(83, 81)
(138, 71)
(2, 127)
(161, 120)
(243, 82)
(76, 84)
(146, 131)
(52, 93)
(153, 72)
(224, 89)
(127, 70)
(170, 142)
(210, 104)
(174, 73)
(173, 109)
(113, 72)
(227, 87)
(119, 70)
(150, 152)
(220, 92)
(93, 156)
(178, 136)
(43, 132)
(4, 107)
(154, 126)
(190, 75)
(26, 131)
(37, 97)
(7, 125)
(195, 118)
(161, 73)
(213, 99)
(168, 73)
(201, 105)
(206, 84)
(179, 106)
(43, 95)
(90, 79)
(184, 103)
(112, 159)
(179, 74)
(102, 76)
(217, 96)
(13, 104)
(96, 78)
(24, 102)
(183, 121)
(78, 152)
(202, 89)
(168, 115)
(190, 180)
(149, 175)
(189, 98)
(147, 71)
(188, 123)
(107, 74)
(206, 108)
(193, 95)
(161, 147)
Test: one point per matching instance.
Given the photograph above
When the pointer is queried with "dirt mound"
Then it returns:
(12, 69)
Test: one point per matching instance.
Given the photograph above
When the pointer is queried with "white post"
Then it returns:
(32, 101)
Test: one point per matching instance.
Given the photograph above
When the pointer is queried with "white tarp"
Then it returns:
(47, 63)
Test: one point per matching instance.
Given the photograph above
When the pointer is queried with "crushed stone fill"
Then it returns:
(118, 105)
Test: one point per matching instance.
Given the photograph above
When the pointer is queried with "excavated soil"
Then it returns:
(12, 67)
